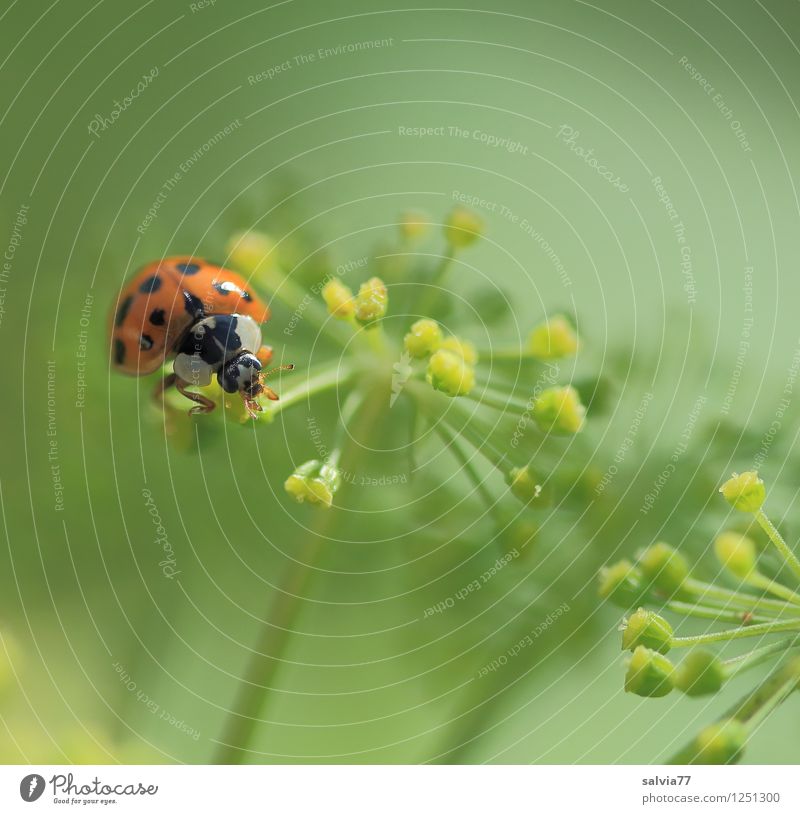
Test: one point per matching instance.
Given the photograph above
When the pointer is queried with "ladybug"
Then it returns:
(203, 316)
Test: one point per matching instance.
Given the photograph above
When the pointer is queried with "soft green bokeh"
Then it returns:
(322, 148)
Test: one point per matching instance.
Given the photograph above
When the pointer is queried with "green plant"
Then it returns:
(419, 383)
(759, 606)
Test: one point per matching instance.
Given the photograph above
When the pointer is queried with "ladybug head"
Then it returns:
(242, 374)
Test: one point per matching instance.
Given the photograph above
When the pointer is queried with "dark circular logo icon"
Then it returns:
(31, 787)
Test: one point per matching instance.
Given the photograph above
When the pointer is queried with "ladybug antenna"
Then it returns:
(278, 369)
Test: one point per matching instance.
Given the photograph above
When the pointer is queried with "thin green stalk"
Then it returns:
(741, 633)
(501, 401)
(705, 591)
(778, 541)
(703, 612)
(432, 293)
(758, 656)
(441, 408)
(755, 706)
(480, 485)
(317, 382)
(303, 303)
(758, 580)
(276, 627)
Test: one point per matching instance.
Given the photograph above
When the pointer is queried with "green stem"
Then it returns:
(316, 382)
(778, 541)
(276, 629)
(433, 291)
(303, 303)
(755, 657)
(741, 633)
(703, 612)
(758, 580)
(442, 408)
(480, 485)
(754, 707)
(501, 401)
(705, 592)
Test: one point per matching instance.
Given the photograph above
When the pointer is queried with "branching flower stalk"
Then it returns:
(369, 367)
(760, 607)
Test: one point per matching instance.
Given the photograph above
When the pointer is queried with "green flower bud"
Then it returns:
(462, 227)
(413, 225)
(646, 628)
(700, 673)
(744, 492)
(649, 674)
(424, 338)
(559, 409)
(372, 301)
(553, 339)
(466, 350)
(339, 299)
(449, 373)
(664, 567)
(526, 485)
(736, 553)
(720, 743)
(315, 482)
(252, 251)
(621, 584)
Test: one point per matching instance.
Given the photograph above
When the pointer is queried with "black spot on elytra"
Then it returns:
(145, 342)
(124, 307)
(221, 287)
(119, 351)
(150, 285)
(246, 296)
(188, 268)
(193, 305)
(157, 316)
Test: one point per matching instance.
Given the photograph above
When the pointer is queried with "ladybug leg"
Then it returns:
(164, 384)
(202, 404)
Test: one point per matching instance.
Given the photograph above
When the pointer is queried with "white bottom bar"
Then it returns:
(400, 789)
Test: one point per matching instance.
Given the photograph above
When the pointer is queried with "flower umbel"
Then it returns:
(759, 607)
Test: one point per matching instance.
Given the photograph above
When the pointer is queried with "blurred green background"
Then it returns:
(523, 97)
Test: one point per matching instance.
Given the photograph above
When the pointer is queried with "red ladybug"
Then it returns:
(205, 317)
